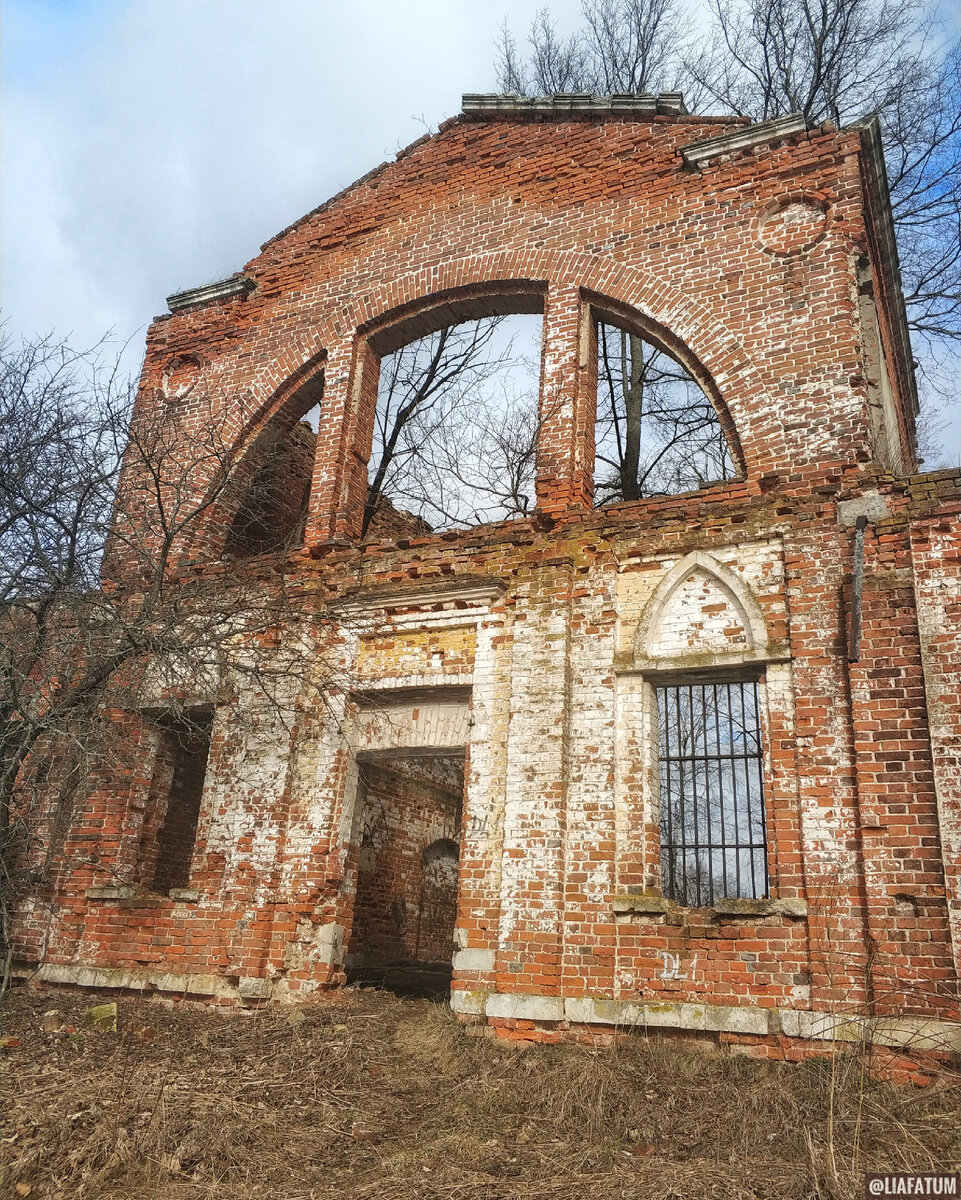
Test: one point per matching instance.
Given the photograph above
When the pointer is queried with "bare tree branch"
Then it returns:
(99, 622)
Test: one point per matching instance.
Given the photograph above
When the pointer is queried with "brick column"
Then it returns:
(339, 489)
(532, 871)
(937, 589)
(568, 389)
(590, 934)
(827, 792)
(478, 908)
(910, 963)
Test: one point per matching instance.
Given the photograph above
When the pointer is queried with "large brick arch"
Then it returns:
(715, 353)
(693, 324)
(412, 303)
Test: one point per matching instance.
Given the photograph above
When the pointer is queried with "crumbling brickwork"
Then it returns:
(761, 258)
(406, 898)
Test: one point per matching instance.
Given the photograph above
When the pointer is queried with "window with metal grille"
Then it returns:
(713, 842)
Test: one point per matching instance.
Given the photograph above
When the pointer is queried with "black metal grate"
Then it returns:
(713, 842)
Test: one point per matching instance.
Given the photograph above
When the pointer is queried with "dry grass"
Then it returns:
(368, 1096)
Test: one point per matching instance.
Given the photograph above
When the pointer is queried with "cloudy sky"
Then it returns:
(153, 145)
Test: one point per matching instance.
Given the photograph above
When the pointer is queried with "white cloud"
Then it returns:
(152, 145)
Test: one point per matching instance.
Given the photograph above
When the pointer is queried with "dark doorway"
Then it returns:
(406, 853)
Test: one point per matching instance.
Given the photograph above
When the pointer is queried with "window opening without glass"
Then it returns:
(273, 507)
(455, 429)
(713, 841)
(656, 432)
(176, 791)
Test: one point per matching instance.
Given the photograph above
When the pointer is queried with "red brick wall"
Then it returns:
(850, 762)
(577, 209)
(558, 912)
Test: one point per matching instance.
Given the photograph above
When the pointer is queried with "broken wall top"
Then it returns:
(738, 244)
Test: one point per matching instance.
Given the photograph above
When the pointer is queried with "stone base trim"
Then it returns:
(471, 959)
(907, 1033)
(140, 979)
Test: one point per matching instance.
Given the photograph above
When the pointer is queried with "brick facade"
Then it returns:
(761, 258)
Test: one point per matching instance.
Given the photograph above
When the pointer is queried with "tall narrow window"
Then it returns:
(713, 841)
(170, 826)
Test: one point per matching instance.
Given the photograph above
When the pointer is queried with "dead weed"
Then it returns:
(365, 1095)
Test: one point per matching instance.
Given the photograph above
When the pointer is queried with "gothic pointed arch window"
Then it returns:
(703, 644)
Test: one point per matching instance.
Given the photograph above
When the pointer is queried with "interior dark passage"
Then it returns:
(402, 937)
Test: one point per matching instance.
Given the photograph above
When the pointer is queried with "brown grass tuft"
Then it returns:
(365, 1095)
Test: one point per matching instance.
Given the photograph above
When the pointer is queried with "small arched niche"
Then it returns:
(439, 863)
(455, 423)
(661, 427)
(701, 616)
(271, 486)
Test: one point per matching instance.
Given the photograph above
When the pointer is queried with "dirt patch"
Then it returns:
(365, 1095)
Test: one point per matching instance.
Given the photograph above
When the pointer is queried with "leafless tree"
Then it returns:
(826, 59)
(626, 46)
(101, 616)
(656, 432)
(455, 429)
(839, 60)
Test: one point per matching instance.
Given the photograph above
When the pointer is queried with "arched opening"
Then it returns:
(455, 423)
(272, 486)
(659, 428)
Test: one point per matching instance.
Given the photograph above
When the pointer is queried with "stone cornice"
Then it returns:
(475, 592)
(223, 289)
(643, 104)
(698, 153)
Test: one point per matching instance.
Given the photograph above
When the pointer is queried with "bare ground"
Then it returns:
(365, 1096)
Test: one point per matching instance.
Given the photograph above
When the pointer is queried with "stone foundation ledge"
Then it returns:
(909, 1033)
(142, 979)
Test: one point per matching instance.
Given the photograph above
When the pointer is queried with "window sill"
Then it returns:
(657, 906)
(127, 891)
(642, 904)
(760, 908)
(112, 892)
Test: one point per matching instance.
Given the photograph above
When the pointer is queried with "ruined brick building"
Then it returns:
(531, 703)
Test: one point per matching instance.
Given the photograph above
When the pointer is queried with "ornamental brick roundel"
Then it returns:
(791, 225)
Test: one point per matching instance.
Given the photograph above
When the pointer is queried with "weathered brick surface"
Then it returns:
(534, 645)
(406, 898)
